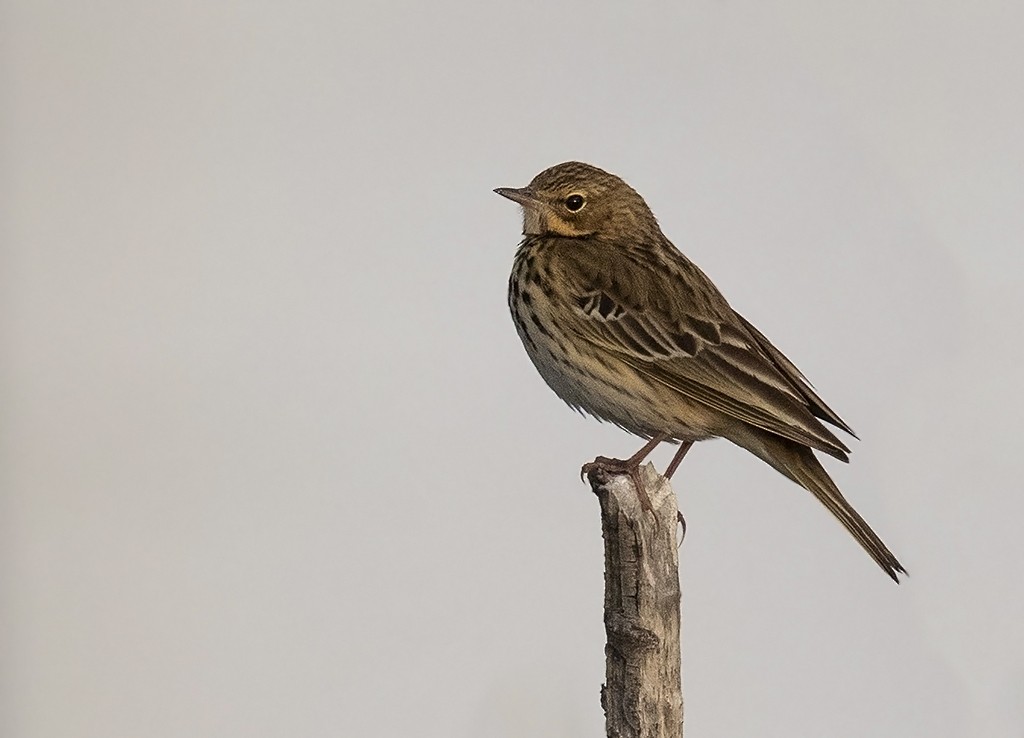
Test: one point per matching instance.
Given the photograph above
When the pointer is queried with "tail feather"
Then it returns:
(800, 464)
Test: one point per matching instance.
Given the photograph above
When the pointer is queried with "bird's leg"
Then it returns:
(630, 466)
(684, 446)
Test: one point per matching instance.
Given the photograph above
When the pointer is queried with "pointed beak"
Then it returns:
(521, 195)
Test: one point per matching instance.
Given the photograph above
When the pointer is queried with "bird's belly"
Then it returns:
(607, 388)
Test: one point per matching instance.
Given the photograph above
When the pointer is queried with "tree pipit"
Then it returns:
(623, 326)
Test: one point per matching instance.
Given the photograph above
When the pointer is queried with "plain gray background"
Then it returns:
(274, 462)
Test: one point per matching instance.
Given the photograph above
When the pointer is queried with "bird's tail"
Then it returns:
(800, 464)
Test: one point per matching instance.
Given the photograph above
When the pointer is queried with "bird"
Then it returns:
(625, 328)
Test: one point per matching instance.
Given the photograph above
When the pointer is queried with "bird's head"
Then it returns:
(576, 200)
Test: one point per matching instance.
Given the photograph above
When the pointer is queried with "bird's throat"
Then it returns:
(534, 223)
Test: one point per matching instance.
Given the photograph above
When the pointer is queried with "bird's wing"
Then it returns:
(670, 323)
(816, 405)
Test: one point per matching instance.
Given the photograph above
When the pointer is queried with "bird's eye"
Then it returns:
(574, 202)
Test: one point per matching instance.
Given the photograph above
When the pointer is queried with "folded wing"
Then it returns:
(673, 326)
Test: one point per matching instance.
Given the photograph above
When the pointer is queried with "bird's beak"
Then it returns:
(535, 219)
(521, 195)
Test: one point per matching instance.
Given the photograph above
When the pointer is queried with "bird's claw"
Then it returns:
(604, 464)
(621, 466)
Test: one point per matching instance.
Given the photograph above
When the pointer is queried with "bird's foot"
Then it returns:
(621, 466)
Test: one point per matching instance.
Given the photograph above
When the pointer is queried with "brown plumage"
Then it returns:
(623, 326)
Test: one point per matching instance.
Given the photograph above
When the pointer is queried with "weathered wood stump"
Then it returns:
(642, 696)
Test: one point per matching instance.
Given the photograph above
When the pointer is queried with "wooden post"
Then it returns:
(642, 696)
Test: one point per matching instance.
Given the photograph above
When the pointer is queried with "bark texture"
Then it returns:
(642, 696)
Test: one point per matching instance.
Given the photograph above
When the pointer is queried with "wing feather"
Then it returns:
(678, 330)
(797, 378)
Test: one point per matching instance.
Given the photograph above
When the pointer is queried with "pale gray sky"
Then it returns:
(274, 463)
